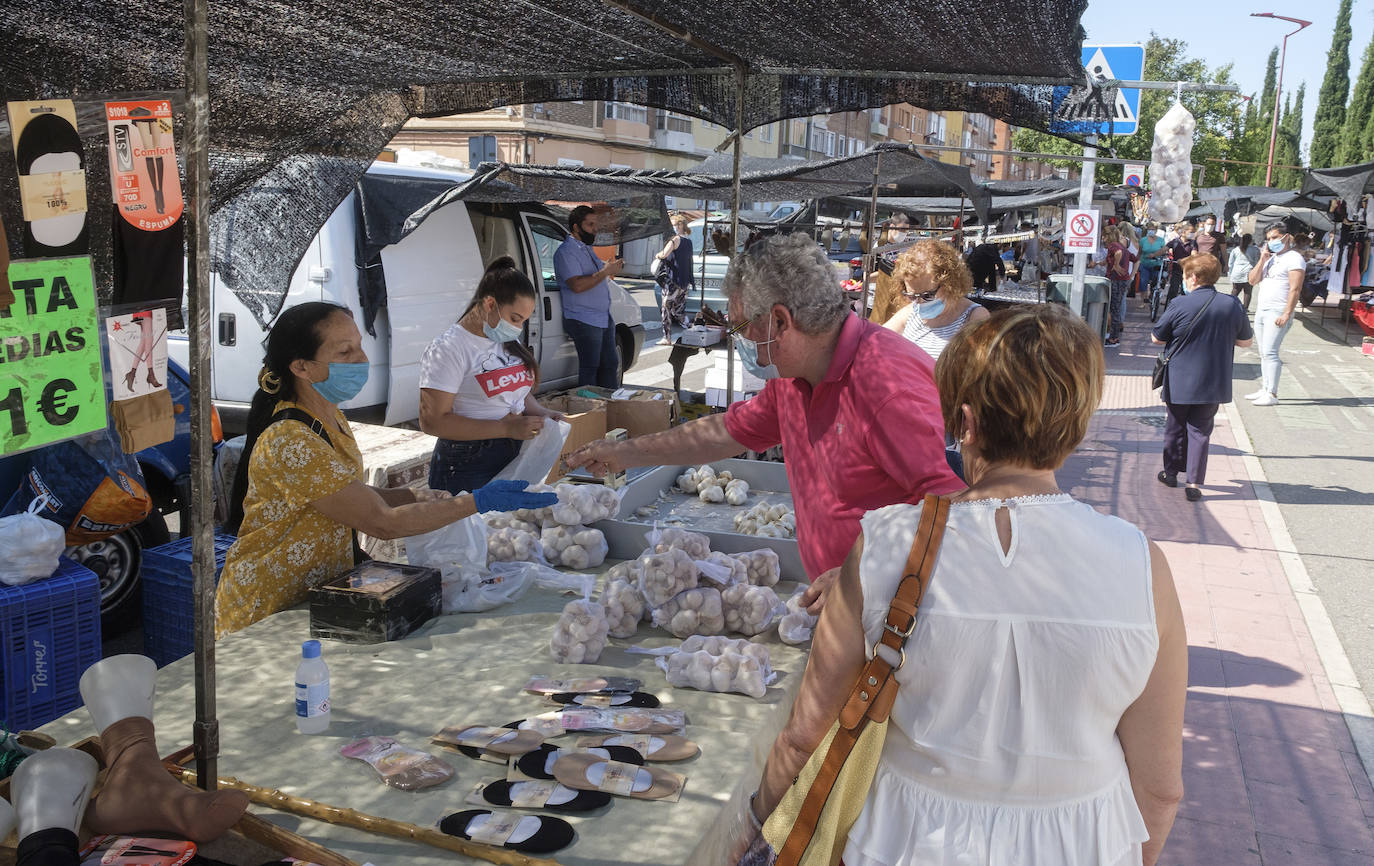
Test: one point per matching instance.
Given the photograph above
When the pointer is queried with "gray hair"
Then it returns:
(790, 270)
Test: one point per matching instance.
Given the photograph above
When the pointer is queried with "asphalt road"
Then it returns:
(1317, 450)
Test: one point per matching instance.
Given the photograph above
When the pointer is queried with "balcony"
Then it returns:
(877, 127)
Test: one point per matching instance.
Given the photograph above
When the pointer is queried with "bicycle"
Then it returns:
(1160, 290)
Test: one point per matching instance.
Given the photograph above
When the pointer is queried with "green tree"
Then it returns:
(1288, 148)
(1330, 117)
(1217, 114)
(1351, 148)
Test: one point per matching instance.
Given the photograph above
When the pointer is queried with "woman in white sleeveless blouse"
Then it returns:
(1039, 714)
(935, 285)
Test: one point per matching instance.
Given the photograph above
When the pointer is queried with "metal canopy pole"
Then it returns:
(734, 219)
(206, 730)
(871, 260)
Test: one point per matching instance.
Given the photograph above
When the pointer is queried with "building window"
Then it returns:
(572, 163)
(673, 122)
(936, 126)
(766, 133)
(626, 111)
(968, 138)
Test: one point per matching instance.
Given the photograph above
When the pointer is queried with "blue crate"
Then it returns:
(168, 603)
(49, 635)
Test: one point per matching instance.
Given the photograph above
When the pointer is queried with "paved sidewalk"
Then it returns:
(1271, 772)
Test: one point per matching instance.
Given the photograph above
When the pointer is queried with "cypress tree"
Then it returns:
(1330, 117)
(1351, 148)
(1287, 150)
(1271, 74)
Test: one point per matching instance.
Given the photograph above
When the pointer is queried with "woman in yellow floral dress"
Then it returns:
(299, 494)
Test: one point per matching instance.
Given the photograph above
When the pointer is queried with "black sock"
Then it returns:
(55, 847)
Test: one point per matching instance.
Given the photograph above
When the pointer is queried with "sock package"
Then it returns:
(149, 235)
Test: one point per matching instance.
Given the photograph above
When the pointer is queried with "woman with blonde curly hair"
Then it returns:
(935, 288)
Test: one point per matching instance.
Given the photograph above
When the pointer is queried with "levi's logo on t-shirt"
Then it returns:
(505, 380)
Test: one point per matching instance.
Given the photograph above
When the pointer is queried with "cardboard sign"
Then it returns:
(50, 363)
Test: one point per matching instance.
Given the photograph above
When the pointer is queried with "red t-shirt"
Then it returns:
(867, 436)
(1122, 270)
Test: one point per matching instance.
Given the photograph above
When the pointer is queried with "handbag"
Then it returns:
(811, 824)
(1162, 360)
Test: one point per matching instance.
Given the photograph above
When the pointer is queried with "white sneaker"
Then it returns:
(1255, 395)
(1266, 399)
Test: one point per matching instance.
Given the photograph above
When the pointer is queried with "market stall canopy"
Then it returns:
(945, 206)
(1349, 182)
(1313, 218)
(1226, 202)
(303, 95)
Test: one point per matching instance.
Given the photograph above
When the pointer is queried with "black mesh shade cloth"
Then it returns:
(1226, 202)
(946, 206)
(304, 93)
(1348, 181)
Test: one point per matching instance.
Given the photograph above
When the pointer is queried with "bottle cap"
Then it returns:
(310, 649)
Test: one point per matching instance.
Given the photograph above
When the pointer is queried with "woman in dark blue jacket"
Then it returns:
(1199, 332)
(675, 277)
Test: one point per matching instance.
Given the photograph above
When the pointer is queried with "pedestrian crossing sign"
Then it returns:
(1083, 110)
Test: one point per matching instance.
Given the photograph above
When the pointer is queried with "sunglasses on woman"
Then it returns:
(924, 297)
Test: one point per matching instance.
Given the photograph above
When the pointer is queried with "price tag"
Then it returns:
(619, 778)
(495, 830)
(53, 386)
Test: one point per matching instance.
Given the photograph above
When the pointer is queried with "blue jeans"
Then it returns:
(598, 361)
(462, 467)
(1268, 338)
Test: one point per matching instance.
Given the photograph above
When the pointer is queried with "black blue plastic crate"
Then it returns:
(168, 603)
(50, 633)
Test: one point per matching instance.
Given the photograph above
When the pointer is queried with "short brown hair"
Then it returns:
(939, 261)
(1031, 375)
(1205, 267)
(1111, 234)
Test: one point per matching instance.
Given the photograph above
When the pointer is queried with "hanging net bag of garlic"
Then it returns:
(1171, 165)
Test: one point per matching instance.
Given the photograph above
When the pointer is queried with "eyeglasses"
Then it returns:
(738, 329)
(920, 296)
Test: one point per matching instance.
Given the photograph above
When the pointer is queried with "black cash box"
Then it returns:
(375, 602)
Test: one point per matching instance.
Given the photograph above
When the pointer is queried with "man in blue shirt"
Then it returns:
(584, 282)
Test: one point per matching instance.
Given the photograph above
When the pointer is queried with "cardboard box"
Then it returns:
(640, 411)
(701, 335)
(588, 420)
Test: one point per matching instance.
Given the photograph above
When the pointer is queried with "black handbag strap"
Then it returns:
(1164, 359)
(291, 413)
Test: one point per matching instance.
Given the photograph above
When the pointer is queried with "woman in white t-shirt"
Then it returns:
(1277, 279)
(477, 381)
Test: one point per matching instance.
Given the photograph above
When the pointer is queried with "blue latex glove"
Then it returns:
(509, 496)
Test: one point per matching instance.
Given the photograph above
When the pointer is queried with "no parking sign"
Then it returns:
(1080, 230)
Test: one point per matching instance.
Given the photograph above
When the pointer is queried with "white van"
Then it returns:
(430, 277)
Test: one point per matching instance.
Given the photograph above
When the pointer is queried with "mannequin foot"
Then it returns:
(139, 796)
(51, 788)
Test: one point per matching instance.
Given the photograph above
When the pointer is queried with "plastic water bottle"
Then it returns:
(312, 690)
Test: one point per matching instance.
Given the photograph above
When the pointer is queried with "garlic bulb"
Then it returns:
(574, 547)
(664, 575)
(508, 544)
(770, 520)
(696, 545)
(695, 611)
(749, 610)
(737, 492)
(624, 607)
(761, 566)
(796, 625)
(580, 504)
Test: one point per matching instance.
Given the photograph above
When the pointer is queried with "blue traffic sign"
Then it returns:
(1078, 111)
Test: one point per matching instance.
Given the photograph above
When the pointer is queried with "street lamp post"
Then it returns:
(1283, 57)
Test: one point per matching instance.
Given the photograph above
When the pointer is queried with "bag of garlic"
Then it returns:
(750, 610)
(796, 625)
(508, 544)
(580, 635)
(581, 504)
(573, 546)
(624, 606)
(696, 611)
(1171, 165)
(722, 570)
(664, 575)
(761, 566)
(718, 645)
(730, 672)
(696, 545)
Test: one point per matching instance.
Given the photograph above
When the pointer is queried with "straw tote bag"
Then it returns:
(811, 824)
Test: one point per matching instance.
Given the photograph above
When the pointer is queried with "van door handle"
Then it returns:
(228, 330)
(548, 309)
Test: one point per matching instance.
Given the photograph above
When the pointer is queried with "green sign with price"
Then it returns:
(51, 384)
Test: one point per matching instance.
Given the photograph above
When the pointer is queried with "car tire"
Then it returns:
(117, 561)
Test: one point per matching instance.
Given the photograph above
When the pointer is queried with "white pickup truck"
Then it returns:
(430, 277)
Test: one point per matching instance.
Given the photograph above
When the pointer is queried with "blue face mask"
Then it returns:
(930, 310)
(1276, 245)
(345, 382)
(502, 331)
(749, 354)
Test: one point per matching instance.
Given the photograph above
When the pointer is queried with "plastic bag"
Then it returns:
(502, 520)
(729, 672)
(537, 456)
(624, 606)
(664, 575)
(696, 545)
(32, 545)
(503, 583)
(580, 635)
(722, 570)
(459, 551)
(1171, 165)
(696, 611)
(750, 610)
(717, 645)
(535, 516)
(796, 625)
(582, 504)
(761, 566)
(573, 546)
(89, 486)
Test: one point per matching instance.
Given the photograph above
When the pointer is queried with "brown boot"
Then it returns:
(139, 796)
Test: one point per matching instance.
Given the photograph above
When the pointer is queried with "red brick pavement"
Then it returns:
(1270, 769)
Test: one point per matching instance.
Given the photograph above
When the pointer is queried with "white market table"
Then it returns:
(462, 669)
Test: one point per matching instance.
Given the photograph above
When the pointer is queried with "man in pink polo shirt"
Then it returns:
(852, 404)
